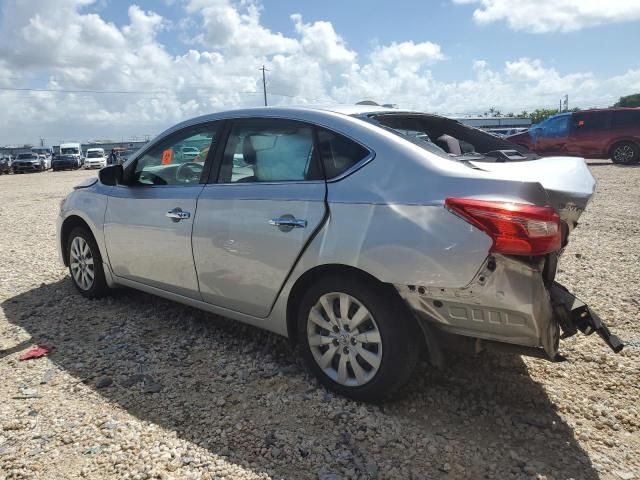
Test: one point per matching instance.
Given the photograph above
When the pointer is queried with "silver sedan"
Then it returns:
(364, 234)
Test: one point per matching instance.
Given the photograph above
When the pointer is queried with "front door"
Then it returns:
(148, 222)
(553, 136)
(253, 223)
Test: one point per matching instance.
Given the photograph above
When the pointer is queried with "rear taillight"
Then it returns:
(516, 228)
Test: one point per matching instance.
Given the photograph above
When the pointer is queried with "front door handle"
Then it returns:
(177, 214)
(286, 223)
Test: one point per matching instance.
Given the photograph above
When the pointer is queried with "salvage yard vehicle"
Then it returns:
(5, 164)
(73, 149)
(96, 158)
(46, 159)
(46, 151)
(65, 162)
(29, 162)
(365, 234)
(603, 133)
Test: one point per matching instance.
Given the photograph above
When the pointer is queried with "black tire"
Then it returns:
(98, 288)
(625, 153)
(400, 340)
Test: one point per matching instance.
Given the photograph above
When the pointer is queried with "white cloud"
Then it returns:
(541, 16)
(219, 70)
(407, 54)
(236, 28)
(319, 40)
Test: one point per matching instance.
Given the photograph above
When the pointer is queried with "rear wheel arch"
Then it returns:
(308, 278)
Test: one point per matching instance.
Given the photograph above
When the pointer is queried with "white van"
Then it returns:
(96, 158)
(72, 149)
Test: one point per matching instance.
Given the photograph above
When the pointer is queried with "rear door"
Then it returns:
(258, 214)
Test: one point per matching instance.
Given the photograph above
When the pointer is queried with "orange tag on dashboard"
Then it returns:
(167, 156)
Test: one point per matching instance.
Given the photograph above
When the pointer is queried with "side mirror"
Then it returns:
(111, 175)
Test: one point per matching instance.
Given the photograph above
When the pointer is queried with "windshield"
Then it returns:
(69, 151)
(94, 154)
(25, 156)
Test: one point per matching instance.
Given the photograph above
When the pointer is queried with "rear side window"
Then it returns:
(590, 121)
(338, 152)
(269, 150)
(627, 118)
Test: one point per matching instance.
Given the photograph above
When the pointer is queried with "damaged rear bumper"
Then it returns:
(573, 314)
(508, 304)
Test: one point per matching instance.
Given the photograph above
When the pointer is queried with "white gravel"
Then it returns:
(139, 387)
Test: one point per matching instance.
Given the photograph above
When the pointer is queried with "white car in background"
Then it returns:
(96, 158)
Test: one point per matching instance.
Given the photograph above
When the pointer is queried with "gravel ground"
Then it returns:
(139, 387)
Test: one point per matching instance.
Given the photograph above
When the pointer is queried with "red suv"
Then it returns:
(607, 133)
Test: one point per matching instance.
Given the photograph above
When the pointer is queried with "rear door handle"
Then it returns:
(286, 223)
(177, 214)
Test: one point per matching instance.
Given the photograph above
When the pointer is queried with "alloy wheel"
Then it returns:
(81, 263)
(344, 339)
(623, 154)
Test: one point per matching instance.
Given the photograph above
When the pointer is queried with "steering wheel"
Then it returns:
(189, 172)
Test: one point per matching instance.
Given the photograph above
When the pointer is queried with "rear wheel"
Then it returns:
(625, 153)
(85, 264)
(355, 338)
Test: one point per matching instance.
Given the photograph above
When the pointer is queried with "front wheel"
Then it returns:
(356, 338)
(625, 153)
(85, 264)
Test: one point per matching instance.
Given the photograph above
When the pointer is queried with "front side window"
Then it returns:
(178, 160)
(556, 127)
(269, 150)
(339, 153)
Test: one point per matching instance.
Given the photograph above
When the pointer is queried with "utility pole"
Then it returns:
(264, 84)
(560, 106)
(566, 103)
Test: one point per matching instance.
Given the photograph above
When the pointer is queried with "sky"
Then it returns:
(113, 69)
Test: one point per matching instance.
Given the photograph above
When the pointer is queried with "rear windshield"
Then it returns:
(94, 154)
(446, 137)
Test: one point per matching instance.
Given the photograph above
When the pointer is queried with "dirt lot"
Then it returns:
(139, 387)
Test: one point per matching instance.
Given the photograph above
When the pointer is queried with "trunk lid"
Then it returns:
(567, 181)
